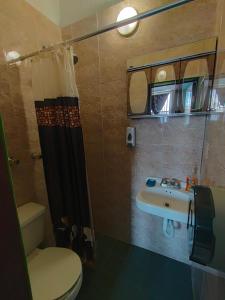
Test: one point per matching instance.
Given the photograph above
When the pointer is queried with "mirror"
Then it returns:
(179, 84)
(138, 92)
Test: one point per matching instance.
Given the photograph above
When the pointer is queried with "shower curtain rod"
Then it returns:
(104, 29)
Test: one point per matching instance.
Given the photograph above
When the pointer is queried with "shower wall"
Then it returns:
(23, 29)
(168, 147)
(213, 170)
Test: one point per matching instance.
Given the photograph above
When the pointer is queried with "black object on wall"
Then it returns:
(63, 155)
(204, 238)
(14, 276)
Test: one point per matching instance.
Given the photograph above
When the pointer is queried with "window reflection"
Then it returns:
(196, 76)
(188, 94)
(164, 89)
(162, 98)
(218, 95)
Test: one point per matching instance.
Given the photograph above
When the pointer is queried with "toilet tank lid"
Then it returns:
(28, 212)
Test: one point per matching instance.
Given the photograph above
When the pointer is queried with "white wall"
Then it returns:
(49, 8)
(74, 10)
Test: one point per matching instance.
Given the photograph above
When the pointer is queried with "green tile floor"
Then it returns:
(125, 272)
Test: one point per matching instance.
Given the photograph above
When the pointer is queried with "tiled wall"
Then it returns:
(23, 29)
(170, 147)
(165, 147)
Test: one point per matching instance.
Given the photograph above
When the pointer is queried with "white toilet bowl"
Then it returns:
(55, 273)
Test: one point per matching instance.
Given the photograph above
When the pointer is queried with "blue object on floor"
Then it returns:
(151, 182)
(123, 272)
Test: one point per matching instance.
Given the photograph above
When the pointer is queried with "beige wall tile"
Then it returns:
(84, 26)
(66, 32)
(213, 169)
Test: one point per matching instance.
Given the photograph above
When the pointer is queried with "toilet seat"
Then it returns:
(53, 273)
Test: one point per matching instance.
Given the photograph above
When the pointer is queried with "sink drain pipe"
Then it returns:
(168, 228)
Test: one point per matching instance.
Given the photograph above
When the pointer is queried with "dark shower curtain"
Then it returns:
(63, 155)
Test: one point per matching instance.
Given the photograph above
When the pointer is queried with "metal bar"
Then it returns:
(174, 115)
(138, 17)
(107, 28)
(172, 60)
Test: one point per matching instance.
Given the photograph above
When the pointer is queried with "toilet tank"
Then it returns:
(32, 218)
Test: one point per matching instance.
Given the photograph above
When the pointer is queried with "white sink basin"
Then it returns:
(168, 203)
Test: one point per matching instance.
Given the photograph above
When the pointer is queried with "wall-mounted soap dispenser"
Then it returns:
(131, 136)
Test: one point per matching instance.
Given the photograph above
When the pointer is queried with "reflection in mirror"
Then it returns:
(163, 97)
(138, 93)
(182, 86)
(164, 89)
(195, 85)
(179, 81)
(218, 93)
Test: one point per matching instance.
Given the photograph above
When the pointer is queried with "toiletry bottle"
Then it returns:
(194, 181)
(188, 185)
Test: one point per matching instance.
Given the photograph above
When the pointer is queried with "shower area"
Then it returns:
(65, 112)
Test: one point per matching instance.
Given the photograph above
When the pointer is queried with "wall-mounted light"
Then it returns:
(124, 14)
(161, 76)
(11, 55)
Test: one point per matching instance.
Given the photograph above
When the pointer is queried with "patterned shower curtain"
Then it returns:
(61, 141)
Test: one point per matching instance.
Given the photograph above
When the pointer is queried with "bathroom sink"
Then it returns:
(165, 202)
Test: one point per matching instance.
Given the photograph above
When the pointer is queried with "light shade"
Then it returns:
(12, 55)
(161, 76)
(124, 14)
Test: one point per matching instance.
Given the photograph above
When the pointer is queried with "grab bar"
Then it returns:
(36, 156)
(13, 161)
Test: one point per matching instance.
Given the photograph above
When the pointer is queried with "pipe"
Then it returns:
(107, 28)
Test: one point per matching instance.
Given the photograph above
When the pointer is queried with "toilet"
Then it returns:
(55, 273)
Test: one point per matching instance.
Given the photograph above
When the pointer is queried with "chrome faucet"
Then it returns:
(175, 183)
(170, 182)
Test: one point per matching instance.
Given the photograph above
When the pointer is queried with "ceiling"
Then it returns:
(65, 12)
(49, 8)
